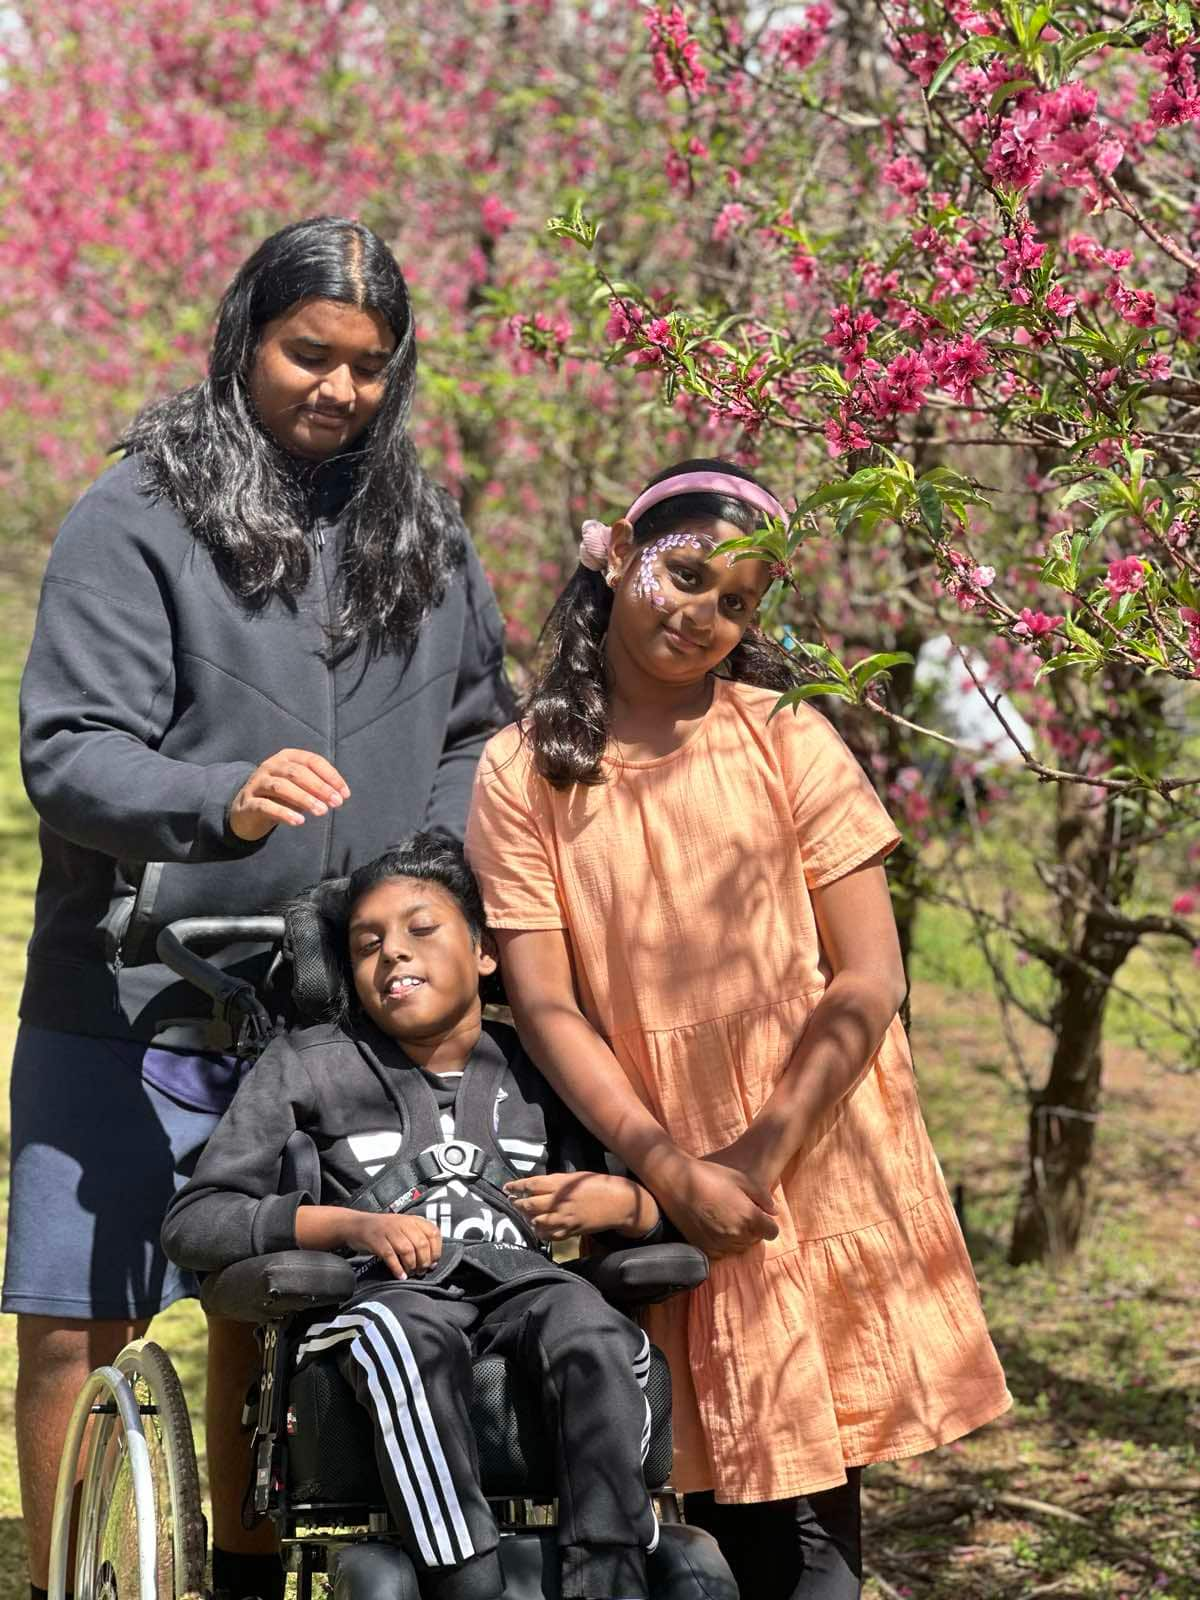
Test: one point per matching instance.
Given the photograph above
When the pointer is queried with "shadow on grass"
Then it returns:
(1145, 1416)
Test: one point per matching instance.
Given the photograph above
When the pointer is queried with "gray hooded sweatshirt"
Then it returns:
(150, 695)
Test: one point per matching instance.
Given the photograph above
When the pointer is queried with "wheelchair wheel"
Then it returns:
(141, 1530)
(180, 1529)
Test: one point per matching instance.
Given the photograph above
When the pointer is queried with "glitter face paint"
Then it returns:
(646, 585)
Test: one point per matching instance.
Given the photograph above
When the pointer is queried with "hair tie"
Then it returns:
(595, 545)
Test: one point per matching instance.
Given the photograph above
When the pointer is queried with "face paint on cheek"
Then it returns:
(646, 585)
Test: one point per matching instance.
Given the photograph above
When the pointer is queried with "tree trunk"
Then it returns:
(1062, 1129)
(1096, 860)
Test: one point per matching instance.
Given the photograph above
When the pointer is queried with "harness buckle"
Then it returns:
(456, 1158)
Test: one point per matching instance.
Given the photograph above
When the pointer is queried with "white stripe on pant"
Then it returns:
(400, 1401)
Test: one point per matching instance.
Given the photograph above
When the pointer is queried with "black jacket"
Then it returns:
(320, 1082)
(150, 695)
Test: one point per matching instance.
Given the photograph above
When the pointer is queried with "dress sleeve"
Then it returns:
(840, 820)
(507, 844)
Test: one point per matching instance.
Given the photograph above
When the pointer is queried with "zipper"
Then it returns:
(327, 854)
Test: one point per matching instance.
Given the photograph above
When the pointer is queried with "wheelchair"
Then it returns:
(141, 1529)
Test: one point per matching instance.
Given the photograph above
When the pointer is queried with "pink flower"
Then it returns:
(958, 366)
(983, 577)
(843, 433)
(798, 47)
(1184, 904)
(1185, 308)
(1179, 98)
(1014, 160)
(1179, 534)
(849, 336)
(675, 55)
(904, 175)
(623, 323)
(1036, 624)
(1191, 621)
(495, 216)
(1134, 305)
(1125, 577)
(679, 173)
(901, 387)
(1059, 303)
(804, 266)
(730, 216)
(1022, 253)
(1168, 107)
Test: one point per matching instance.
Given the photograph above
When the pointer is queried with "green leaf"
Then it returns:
(1078, 48)
(809, 691)
(825, 656)
(845, 489)
(1036, 23)
(871, 667)
(1065, 658)
(1007, 90)
(930, 504)
(976, 46)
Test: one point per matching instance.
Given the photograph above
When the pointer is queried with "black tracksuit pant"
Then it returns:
(408, 1357)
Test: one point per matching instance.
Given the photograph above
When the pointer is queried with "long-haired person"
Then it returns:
(698, 945)
(265, 650)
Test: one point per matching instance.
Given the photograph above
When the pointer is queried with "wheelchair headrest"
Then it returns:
(312, 943)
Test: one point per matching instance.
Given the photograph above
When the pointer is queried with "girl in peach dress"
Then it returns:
(698, 946)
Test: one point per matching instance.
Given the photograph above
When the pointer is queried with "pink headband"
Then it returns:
(710, 483)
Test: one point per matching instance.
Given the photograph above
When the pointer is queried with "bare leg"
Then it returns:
(233, 1365)
(54, 1357)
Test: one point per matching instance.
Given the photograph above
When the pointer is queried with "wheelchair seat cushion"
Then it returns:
(331, 1453)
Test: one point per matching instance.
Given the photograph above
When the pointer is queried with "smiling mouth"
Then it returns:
(401, 988)
(326, 419)
(679, 642)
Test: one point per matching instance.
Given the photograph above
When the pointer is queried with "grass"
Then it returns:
(1090, 1488)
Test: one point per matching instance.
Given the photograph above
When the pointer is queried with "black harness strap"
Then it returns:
(472, 1157)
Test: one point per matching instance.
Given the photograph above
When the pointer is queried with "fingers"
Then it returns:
(390, 1259)
(310, 773)
(538, 1183)
(415, 1242)
(534, 1205)
(294, 799)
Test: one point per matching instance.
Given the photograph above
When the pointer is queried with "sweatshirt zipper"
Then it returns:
(327, 856)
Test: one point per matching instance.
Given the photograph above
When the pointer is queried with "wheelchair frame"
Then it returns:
(130, 1444)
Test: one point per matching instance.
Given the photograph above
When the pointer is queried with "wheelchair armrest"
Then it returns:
(644, 1274)
(267, 1287)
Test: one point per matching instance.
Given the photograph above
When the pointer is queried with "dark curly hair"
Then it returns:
(323, 912)
(205, 451)
(565, 716)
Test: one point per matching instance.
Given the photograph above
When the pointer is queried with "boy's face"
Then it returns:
(416, 966)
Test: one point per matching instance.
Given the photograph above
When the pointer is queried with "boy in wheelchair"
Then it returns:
(446, 1163)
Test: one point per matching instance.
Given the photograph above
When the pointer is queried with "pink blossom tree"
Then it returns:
(928, 265)
(940, 283)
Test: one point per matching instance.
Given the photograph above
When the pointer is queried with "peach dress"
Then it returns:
(683, 884)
